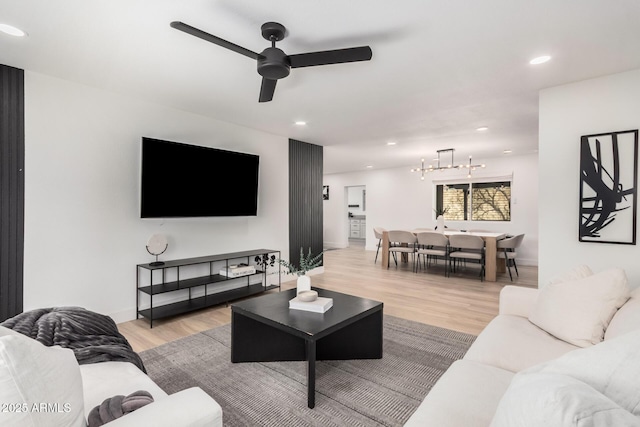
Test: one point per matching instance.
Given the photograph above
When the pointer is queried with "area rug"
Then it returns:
(383, 392)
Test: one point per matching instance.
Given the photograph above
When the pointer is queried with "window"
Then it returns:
(481, 201)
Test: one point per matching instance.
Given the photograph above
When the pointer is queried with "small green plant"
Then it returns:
(441, 211)
(308, 262)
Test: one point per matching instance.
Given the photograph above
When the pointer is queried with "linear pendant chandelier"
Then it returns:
(470, 167)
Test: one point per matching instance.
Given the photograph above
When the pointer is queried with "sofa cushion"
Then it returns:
(513, 343)
(107, 379)
(596, 384)
(6, 331)
(579, 311)
(42, 383)
(626, 319)
(544, 400)
(466, 395)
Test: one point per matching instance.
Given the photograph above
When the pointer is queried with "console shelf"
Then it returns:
(213, 288)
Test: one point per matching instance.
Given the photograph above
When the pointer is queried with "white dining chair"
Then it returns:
(466, 247)
(432, 245)
(377, 231)
(402, 241)
(507, 249)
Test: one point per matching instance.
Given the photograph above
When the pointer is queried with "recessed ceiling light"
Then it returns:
(301, 123)
(482, 128)
(12, 31)
(391, 143)
(540, 60)
(506, 152)
(369, 166)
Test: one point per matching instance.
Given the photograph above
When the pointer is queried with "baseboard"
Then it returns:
(530, 262)
(335, 245)
(124, 315)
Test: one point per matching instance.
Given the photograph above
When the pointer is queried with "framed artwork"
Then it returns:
(325, 192)
(608, 177)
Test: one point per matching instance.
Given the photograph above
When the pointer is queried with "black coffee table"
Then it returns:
(264, 329)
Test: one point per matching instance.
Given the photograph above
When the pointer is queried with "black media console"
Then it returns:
(196, 283)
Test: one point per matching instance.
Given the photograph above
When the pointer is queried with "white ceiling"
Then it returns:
(440, 69)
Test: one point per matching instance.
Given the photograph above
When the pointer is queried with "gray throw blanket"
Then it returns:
(117, 406)
(93, 337)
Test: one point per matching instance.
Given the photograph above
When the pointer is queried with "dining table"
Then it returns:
(492, 264)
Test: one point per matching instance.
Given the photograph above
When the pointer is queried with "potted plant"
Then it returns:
(440, 212)
(307, 262)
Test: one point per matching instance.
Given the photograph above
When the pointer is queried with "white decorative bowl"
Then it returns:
(308, 296)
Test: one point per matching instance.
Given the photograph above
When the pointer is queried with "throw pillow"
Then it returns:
(579, 311)
(593, 386)
(39, 386)
(626, 319)
(578, 272)
(117, 406)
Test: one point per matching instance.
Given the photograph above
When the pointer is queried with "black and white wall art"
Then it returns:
(325, 192)
(608, 177)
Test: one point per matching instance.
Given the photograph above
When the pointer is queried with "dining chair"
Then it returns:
(507, 249)
(432, 245)
(402, 241)
(466, 247)
(377, 231)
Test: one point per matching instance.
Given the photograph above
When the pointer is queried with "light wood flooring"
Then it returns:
(460, 302)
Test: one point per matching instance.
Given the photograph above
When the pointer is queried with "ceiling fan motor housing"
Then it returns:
(273, 64)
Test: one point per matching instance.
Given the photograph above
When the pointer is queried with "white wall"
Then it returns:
(83, 232)
(397, 198)
(605, 104)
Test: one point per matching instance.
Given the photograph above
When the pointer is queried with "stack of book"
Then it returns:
(237, 270)
(319, 305)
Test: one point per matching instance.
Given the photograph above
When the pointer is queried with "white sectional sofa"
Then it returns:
(581, 368)
(45, 386)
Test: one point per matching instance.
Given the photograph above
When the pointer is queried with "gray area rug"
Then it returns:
(382, 392)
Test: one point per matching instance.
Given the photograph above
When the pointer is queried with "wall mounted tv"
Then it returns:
(182, 180)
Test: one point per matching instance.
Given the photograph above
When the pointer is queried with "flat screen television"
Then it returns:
(182, 180)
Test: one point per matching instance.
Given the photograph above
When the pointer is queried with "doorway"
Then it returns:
(356, 209)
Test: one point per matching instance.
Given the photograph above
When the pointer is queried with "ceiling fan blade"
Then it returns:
(213, 39)
(267, 89)
(338, 56)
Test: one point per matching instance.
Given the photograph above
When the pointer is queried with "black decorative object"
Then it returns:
(608, 176)
(325, 192)
(265, 261)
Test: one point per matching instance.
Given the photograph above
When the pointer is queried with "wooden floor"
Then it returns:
(460, 302)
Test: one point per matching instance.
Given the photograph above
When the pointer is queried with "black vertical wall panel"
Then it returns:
(11, 190)
(305, 199)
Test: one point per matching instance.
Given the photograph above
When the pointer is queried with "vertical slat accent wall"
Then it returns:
(11, 190)
(305, 199)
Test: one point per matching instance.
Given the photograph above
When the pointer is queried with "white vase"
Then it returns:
(304, 284)
(440, 225)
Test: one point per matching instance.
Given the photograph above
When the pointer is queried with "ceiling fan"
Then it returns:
(273, 63)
